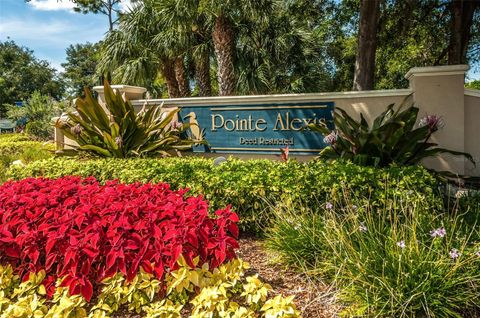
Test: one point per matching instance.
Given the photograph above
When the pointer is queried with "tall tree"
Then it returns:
(367, 45)
(110, 8)
(189, 24)
(226, 16)
(140, 49)
(80, 67)
(21, 73)
(462, 12)
(285, 53)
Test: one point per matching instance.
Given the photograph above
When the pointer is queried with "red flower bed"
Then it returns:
(84, 231)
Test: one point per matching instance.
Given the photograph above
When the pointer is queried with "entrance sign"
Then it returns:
(260, 128)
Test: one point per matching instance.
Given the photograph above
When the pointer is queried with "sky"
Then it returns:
(48, 27)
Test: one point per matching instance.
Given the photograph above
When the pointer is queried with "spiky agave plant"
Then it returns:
(117, 131)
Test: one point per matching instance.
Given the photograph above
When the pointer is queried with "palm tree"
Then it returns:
(141, 48)
(226, 16)
(281, 55)
(193, 33)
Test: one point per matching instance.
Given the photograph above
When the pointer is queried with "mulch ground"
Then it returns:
(313, 299)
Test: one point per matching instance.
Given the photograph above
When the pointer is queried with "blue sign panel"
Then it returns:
(260, 128)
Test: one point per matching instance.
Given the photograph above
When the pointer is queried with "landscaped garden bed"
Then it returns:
(358, 236)
(71, 247)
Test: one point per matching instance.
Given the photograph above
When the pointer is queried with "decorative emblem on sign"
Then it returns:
(259, 128)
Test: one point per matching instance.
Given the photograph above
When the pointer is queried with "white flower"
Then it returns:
(401, 244)
(362, 228)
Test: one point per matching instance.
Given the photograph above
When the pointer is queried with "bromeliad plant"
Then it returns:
(119, 132)
(392, 138)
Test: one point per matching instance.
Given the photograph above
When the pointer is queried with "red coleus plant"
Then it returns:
(84, 231)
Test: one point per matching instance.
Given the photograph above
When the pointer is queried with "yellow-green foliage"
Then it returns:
(163, 309)
(21, 147)
(280, 307)
(28, 300)
(255, 291)
(66, 306)
(221, 292)
(8, 281)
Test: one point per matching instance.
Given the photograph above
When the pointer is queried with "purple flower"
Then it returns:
(433, 122)
(331, 138)
(76, 130)
(454, 254)
(362, 228)
(329, 205)
(440, 232)
(401, 244)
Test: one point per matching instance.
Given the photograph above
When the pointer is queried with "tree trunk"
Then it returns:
(224, 41)
(367, 45)
(168, 72)
(202, 73)
(462, 12)
(182, 78)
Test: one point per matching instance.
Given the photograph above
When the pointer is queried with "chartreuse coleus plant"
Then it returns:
(393, 137)
(201, 291)
(116, 130)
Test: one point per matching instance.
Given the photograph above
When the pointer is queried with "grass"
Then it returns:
(385, 262)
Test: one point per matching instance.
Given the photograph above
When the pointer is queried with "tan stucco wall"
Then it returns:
(370, 107)
(443, 96)
(472, 132)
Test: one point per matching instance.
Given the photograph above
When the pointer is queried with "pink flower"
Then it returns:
(331, 138)
(454, 254)
(440, 232)
(433, 122)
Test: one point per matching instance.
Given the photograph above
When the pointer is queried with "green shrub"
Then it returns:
(38, 111)
(250, 186)
(385, 262)
(21, 147)
(27, 151)
(14, 137)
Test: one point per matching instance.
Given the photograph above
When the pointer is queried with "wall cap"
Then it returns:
(472, 92)
(122, 88)
(214, 100)
(437, 70)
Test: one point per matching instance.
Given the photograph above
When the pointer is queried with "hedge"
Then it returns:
(21, 146)
(252, 186)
